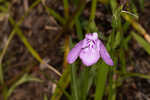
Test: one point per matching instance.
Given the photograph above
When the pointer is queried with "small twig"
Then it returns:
(51, 68)
(130, 14)
(51, 28)
(26, 5)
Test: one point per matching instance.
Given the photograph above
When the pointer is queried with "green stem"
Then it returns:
(74, 82)
(2, 55)
(56, 15)
(66, 9)
(70, 21)
(101, 81)
(93, 10)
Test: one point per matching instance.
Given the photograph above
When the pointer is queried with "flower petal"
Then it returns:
(92, 36)
(74, 53)
(104, 54)
(89, 56)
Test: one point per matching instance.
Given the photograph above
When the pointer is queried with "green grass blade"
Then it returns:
(74, 84)
(66, 8)
(141, 2)
(93, 10)
(117, 41)
(85, 81)
(130, 75)
(29, 47)
(25, 78)
(10, 38)
(1, 75)
(113, 4)
(27, 44)
(101, 80)
(112, 82)
(74, 81)
(122, 61)
(62, 83)
(142, 42)
(56, 15)
(79, 9)
(75, 2)
(45, 97)
(78, 29)
(112, 87)
(2, 55)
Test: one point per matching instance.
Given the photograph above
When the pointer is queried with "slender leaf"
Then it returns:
(25, 78)
(62, 84)
(142, 42)
(78, 28)
(66, 8)
(101, 81)
(74, 84)
(56, 15)
(86, 79)
(45, 97)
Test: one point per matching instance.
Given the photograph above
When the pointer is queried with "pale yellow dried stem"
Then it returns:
(66, 51)
(136, 26)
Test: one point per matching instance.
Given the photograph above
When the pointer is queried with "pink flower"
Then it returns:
(90, 49)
